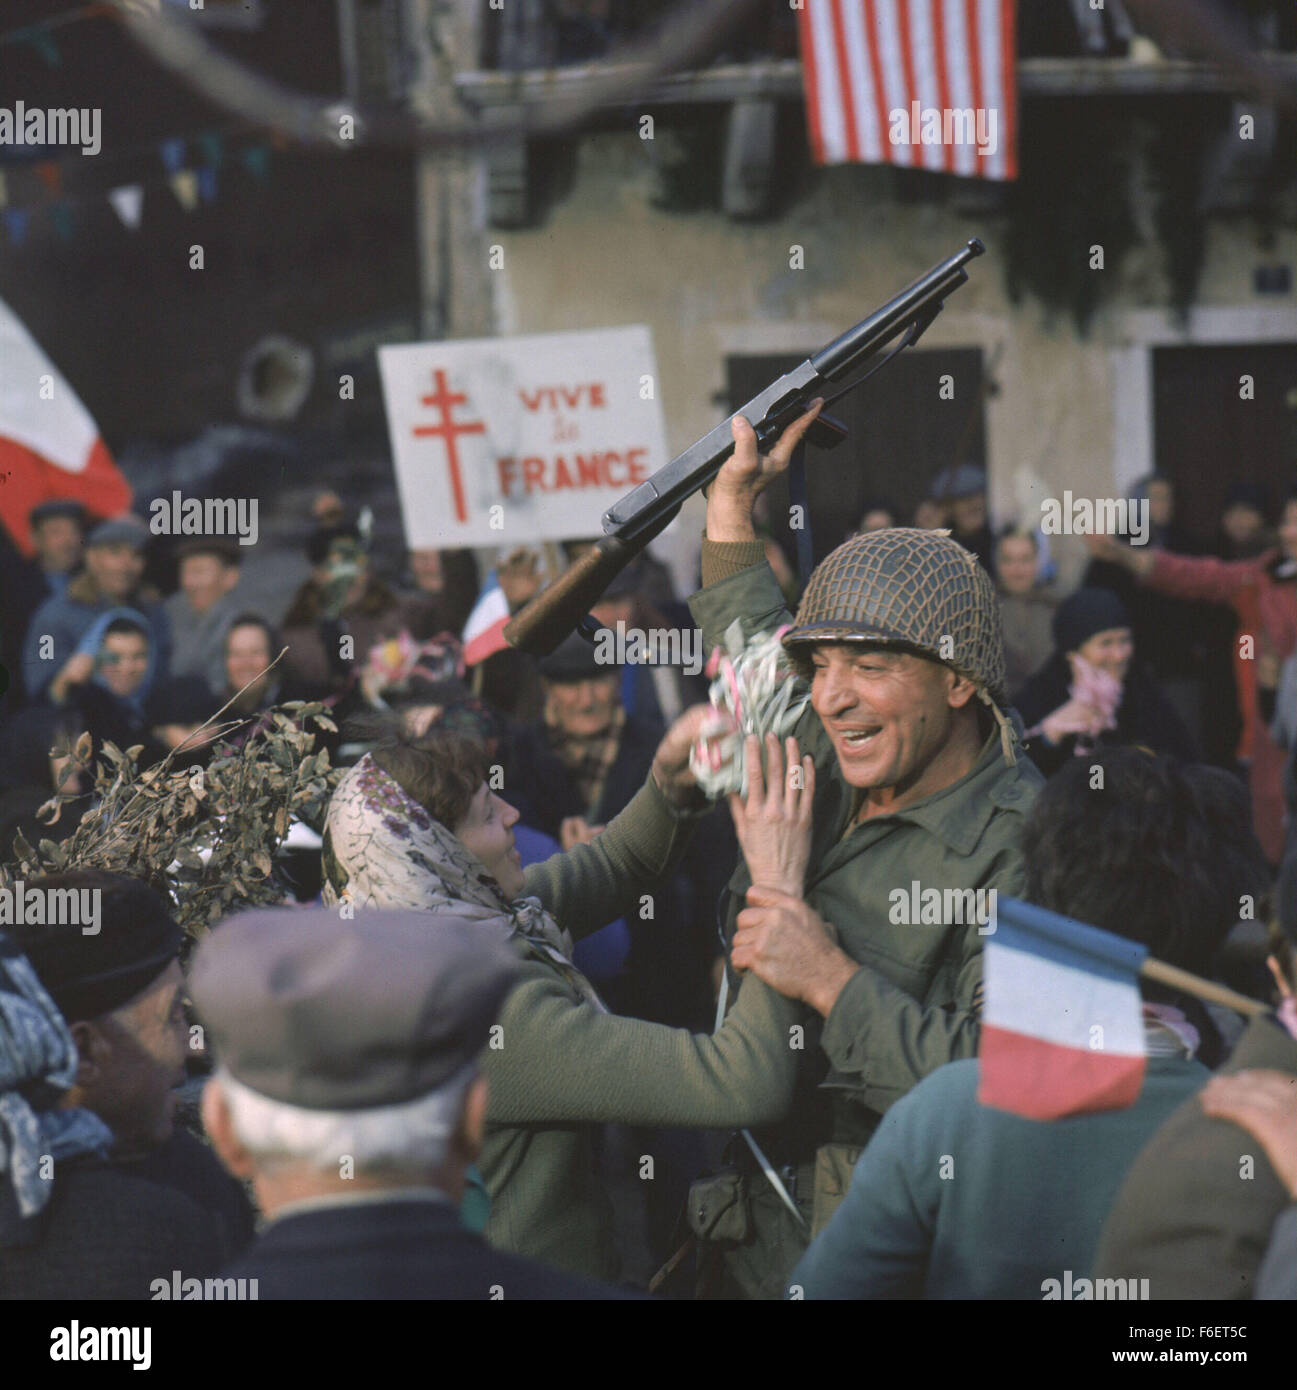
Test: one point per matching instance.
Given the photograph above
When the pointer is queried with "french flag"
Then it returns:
(484, 630)
(1062, 1028)
(50, 449)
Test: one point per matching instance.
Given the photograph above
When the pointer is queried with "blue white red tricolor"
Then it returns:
(1062, 1027)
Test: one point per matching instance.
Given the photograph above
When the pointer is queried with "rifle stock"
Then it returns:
(544, 622)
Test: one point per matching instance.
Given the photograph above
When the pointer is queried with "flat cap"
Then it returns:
(122, 530)
(318, 1011)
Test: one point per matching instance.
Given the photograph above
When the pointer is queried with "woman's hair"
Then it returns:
(1148, 848)
(251, 620)
(442, 770)
(1016, 531)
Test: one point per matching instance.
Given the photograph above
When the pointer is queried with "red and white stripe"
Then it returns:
(484, 630)
(864, 59)
(50, 449)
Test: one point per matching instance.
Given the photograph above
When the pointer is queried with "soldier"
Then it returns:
(921, 781)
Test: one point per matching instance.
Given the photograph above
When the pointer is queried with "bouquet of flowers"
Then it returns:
(754, 690)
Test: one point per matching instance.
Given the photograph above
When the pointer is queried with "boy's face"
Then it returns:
(124, 661)
(116, 569)
(58, 543)
(206, 578)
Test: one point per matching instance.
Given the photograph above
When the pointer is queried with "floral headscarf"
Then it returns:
(382, 849)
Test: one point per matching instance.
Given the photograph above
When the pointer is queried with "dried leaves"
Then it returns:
(205, 836)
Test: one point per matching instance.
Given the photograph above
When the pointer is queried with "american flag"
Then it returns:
(927, 84)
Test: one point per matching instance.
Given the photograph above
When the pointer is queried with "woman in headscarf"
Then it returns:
(416, 824)
(1093, 692)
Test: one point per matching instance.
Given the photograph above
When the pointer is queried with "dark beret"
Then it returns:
(89, 975)
(316, 1010)
(572, 660)
(60, 506)
(1083, 614)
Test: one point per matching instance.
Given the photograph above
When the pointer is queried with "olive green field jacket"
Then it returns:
(910, 1008)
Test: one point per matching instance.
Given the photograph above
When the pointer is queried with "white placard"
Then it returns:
(501, 440)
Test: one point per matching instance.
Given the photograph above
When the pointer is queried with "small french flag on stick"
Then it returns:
(1063, 1026)
(484, 630)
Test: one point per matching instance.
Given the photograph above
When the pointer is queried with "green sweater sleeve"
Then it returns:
(590, 885)
(559, 1060)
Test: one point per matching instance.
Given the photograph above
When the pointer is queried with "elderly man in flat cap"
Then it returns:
(349, 1094)
(116, 1195)
(920, 779)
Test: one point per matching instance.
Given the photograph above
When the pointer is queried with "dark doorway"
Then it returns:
(902, 434)
(1206, 436)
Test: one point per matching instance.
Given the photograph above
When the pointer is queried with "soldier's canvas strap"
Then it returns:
(766, 1166)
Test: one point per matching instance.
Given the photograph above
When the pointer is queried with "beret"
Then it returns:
(1084, 613)
(316, 1010)
(572, 660)
(88, 974)
(963, 480)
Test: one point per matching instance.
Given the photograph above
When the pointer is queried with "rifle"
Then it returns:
(648, 509)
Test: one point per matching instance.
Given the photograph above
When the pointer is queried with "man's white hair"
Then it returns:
(410, 1138)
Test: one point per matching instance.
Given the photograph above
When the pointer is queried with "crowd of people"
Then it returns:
(529, 931)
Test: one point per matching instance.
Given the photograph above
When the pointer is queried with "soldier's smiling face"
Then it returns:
(890, 714)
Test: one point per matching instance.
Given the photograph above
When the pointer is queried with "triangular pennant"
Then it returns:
(51, 176)
(185, 186)
(64, 223)
(212, 143)
(128, 204)
(207, 184)
(256, 160)
(16, 225)
(173, 154)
